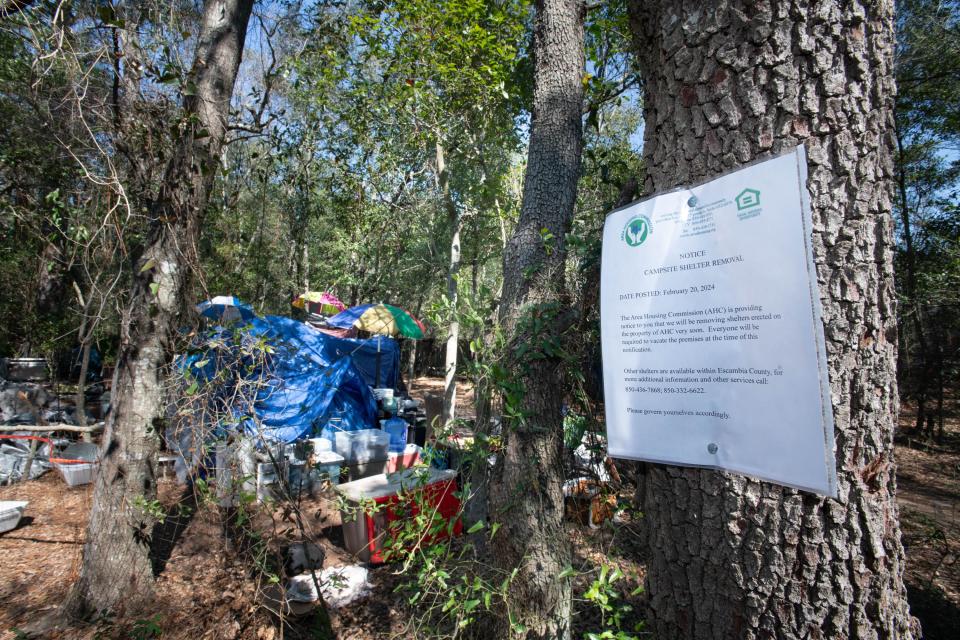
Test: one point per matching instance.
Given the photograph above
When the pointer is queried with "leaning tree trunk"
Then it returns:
(525, 493)
(727, 83)
(117, 572)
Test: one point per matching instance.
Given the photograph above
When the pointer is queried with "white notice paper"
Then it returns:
(713, 352)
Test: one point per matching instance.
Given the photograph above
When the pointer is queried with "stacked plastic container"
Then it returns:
(297, 476)
(320, 444)
(327, 465)
(234, 469)
(396, 428)
(361, 445)
(364, 451)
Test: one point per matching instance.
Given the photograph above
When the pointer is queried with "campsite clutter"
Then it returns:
(40, 420)
(277, 411)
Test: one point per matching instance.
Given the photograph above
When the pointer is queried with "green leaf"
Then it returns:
(477, 526)
(154, 288)
(149, 264)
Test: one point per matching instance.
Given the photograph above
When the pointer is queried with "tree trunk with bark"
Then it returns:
(727, 83)
(525, 493)
(117, 570)
(453, 273)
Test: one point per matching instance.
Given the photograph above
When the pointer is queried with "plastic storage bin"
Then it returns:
(77, 474)
(81, 451)
(396, 428)
(361, 446)
(321, 444)
(360, 470)
(269, 480)
(234, 470)
(364, 533)
(298, 476)
(382, 392)
(327, 465)
(10, 513)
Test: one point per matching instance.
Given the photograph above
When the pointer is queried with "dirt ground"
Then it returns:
(419, 387)
(205, 592)
(928, 492)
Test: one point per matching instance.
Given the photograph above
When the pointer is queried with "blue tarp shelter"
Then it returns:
(325, 349)
(311, 383)
(299, 403)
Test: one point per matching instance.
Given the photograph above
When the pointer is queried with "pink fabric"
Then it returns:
(338, 333)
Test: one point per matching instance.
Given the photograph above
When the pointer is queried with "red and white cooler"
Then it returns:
(397, 496)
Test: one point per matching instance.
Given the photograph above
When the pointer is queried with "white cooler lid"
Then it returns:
(388, 484)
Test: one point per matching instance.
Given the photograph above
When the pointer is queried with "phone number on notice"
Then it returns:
(665, 390)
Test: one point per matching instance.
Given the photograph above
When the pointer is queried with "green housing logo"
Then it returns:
(748, 199)
(636, 231)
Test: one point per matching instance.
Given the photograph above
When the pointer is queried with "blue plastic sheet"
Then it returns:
(312, 383)
(325, 349)
(301, 403)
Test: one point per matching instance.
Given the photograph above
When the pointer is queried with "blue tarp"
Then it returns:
(325, 349)
(300, 402)
(312, 382)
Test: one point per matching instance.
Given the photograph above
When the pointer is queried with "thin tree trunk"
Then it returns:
(412, 354)
(453, 329)
(84, 336)
(116, 572)
(918, 375)
(305, 266)
(727, 83)
(80, 399)
(526, 490)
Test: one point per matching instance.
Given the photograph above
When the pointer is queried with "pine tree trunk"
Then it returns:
(727, 83)
(117, 571)
(525, 493)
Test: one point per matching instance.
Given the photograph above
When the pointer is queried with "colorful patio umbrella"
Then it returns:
(226, 309)
(383, 319)
(320, 302)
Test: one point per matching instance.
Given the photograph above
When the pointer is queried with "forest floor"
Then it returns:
(205, 592)
(928, 492)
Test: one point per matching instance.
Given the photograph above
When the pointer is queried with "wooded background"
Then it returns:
(457, 157)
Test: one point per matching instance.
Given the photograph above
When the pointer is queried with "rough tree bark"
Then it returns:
(525, 493)
(117, 570)
(728, 82)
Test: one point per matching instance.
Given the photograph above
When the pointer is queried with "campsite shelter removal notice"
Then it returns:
(713, 351)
